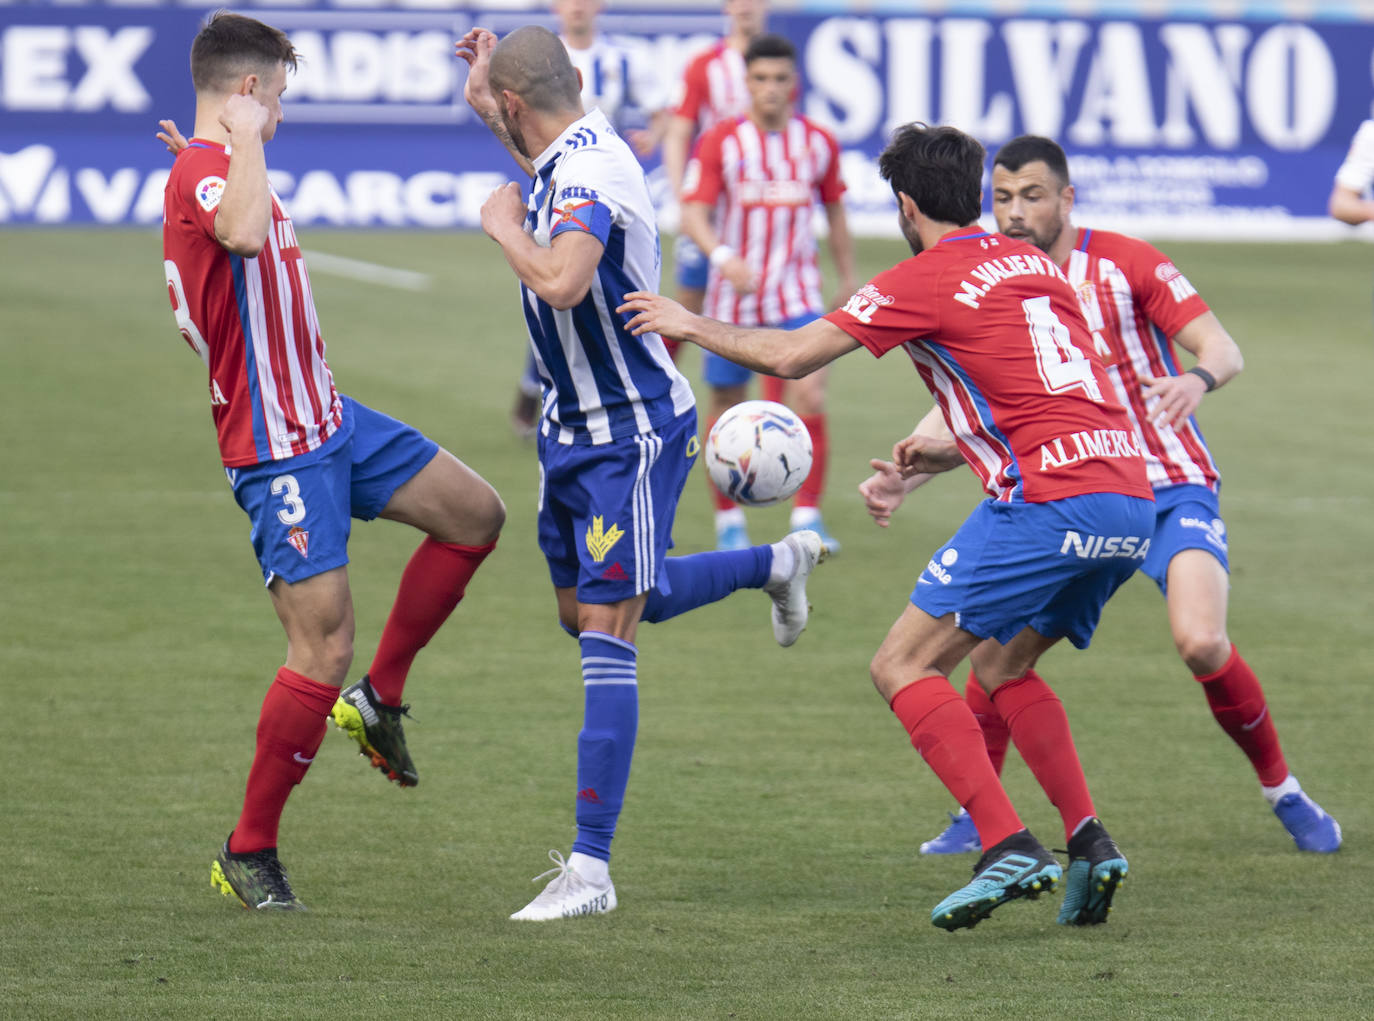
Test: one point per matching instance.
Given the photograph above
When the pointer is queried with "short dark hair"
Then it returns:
(940, 168)
(1025, 149)
(533, 63)
(231, 46)
(769, 46)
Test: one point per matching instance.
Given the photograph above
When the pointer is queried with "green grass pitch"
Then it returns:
(766, 863)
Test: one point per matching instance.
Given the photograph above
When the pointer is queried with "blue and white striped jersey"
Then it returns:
(621, 81)
(600, 383)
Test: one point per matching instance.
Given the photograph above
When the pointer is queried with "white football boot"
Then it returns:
(568, 895)
(790, 608)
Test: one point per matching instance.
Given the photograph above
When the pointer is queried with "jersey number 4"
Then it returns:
(1062, 365)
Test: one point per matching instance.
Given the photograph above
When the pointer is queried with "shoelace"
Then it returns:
(560, 866)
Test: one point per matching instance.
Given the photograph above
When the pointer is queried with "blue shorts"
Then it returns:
(300, 506)
(1047, 566)
(1186, 517)
(606, 510)
(693, 268)
(719, 371)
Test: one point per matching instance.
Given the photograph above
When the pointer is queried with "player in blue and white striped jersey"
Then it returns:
(623, 85)
(618, 432)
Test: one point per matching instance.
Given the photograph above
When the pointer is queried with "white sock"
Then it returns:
(1290, 785)
(784, 563)
(726, 518)
(804, 517)
(594, 870)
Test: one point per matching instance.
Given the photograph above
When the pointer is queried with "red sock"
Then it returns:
(432, 584)
(1035, 717)
(290, 729)
(770, 388)
(1238, 705)
(810, 493)
(945, 733)
(995, 732)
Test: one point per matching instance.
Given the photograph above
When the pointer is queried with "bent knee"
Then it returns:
(1204, 650)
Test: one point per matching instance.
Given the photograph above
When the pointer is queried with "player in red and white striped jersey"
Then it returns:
(301, 458)
(752, 189)
(1138, 307)
(997, 337)
(712, 89)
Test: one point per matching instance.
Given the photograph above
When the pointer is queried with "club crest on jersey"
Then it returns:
(299, 539)
(568, 215)
(209, 191)
(867, 300)
(601, 539)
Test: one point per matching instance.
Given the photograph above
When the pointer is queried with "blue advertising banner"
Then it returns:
(1175, 126)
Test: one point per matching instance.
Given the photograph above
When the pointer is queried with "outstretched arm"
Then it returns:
(474, 49)
(790, 354)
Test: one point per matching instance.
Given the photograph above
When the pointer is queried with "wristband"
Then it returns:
(1205, 376)
(720, 255)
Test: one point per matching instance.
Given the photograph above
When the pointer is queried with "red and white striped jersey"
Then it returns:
(1135, 300)
(252, 321)
(713, 87)
(764, 187)
(996, 335)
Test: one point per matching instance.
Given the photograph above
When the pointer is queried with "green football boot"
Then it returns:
(257, 879)
(377, 729)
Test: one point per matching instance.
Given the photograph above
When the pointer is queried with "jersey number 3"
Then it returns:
(1062, 365)
(289, 490)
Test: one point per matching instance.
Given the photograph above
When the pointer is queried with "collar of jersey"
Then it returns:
(595, 121)
(202, 143)
(975, 233)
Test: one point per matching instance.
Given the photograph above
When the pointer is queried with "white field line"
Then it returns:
(368, 272)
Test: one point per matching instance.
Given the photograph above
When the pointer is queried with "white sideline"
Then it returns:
(368, 272)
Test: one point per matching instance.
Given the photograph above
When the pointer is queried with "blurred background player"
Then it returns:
(751, 190)
(300, 457)
(628, 90)
(618, 435)
(712, 89)
(1138, 307)
(1350, 201)
(1012, 368)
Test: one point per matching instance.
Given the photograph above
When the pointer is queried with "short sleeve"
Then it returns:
(831, 184)
(891, 309)
(1170, 301)
(1357, 172)
(585, 198)
(693, 89)
(705, 178)
(200, 186)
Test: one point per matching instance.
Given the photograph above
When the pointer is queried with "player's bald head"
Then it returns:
(533, 63)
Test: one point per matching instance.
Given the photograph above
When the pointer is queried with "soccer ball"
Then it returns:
(758, 453)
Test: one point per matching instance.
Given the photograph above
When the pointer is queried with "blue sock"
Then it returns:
(706, 577)
(607, 741)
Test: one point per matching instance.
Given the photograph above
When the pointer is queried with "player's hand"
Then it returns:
(171, 137)
(653, 313)
(917, 454)
(504, 208)
(642, 141)
(474, 49)
(1177, 396)
(883, 491)
(739, 275)
(243, 115)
